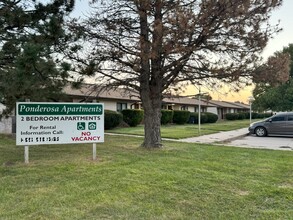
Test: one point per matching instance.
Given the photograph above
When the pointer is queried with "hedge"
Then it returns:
(231, 116)
(205, 117)
(112, 119)
(132, 117)
(267, 115)
(180, 117)
(254, 115)
(167, 116)
(241, 116)
(246, 115)
(211, 117)
(193, 119)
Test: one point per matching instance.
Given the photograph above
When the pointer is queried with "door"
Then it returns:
(277, 125)
(289, 130)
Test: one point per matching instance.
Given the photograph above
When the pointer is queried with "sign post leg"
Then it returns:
(26, 154)
(94, 151)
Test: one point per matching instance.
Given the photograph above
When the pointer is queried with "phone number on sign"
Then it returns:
(39, 139)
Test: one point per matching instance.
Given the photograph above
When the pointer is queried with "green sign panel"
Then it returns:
(59, 123)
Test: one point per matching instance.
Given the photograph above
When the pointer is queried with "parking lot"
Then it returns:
(270, 142)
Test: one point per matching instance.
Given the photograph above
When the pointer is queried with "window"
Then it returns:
(135, 106)
(290, 117)
(184, 108)
(278, 118)
(121, 106)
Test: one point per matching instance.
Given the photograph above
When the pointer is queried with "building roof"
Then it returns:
(225, 104)
(186, 101)
(242, 105)
(94, 91)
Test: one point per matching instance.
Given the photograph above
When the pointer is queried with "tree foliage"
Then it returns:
(153, 45)
(275, 71)
(274, 91)
(30, 33)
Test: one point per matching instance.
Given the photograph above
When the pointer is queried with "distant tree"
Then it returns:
(205, 96)
(30, 33)
(289, 50)
(152, 45)
(274, 89)
(275, 71)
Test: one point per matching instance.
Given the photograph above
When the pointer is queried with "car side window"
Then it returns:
(278, 118)
(290, 117)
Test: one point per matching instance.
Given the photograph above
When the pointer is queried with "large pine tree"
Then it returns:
(31, 33)
(152, 45)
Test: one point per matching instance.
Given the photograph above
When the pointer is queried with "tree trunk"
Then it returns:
(152, 119)
(150, 75)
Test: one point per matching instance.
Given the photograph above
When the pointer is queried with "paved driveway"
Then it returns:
(275, 143)
(240, 138)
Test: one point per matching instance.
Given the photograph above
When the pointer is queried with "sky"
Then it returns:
(284, 14)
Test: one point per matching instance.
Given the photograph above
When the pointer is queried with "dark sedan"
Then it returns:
(279, 124)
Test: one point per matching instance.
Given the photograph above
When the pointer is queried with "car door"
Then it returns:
(289, 130)
(277, 124)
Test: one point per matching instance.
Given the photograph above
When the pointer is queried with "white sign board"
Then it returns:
(59, 123)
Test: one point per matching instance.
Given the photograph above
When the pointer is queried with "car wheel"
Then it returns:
(260, 132)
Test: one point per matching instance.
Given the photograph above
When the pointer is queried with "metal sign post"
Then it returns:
(26, 148)
(94, 144)
(94, 151)
(26, 154)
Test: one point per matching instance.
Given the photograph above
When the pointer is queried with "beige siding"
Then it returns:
(192, 108)
(109, 105)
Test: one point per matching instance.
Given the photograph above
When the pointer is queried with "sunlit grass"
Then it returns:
(180, 181)
(187, 130)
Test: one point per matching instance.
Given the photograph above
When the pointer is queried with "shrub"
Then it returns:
(260, 115)
(132, 117)
(247, 115)
(167, 116)
(254, 115)
(180, 117)
(211, 117)
(112, 119)
(231, 116)
(268, 114)
(193, 118)
(203, 118)
(241, 115)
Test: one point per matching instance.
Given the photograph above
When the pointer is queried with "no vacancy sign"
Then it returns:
(40, 123)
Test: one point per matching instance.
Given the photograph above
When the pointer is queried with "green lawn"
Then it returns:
(187, 130)
(180, 181)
